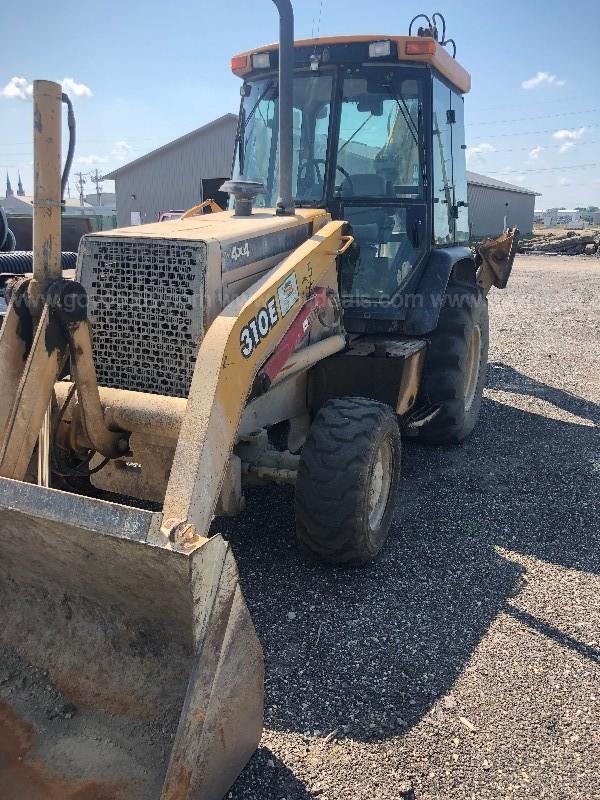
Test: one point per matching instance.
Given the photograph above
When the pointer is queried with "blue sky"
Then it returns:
(145, 72)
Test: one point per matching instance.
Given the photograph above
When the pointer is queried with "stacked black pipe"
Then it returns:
(20, 261)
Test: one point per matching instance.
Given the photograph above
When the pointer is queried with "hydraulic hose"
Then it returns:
(69, 160)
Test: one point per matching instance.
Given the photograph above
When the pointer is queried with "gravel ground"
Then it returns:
(464, 663)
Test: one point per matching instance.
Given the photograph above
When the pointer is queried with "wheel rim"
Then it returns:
(473, 365)
(379, 487)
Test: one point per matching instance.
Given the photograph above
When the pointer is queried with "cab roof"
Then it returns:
(421, 49)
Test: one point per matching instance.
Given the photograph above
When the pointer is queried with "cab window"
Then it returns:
(257, 147)
(378, 152)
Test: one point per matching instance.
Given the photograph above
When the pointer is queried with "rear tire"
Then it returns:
(455, 366)
(347, 481)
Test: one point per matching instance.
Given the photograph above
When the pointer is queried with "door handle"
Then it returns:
(416, 234)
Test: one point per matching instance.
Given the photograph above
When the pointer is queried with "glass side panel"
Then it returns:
(443, 199)
(257, 152)
(389, 241)
(380, 131)
(459, 172)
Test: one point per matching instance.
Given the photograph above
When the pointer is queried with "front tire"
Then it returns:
(455, 367)
(347, 481)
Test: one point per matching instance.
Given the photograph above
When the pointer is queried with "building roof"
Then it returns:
(192, 135)
(492, 183)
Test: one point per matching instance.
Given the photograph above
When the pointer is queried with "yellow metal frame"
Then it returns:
(225, 372)
(47, 105)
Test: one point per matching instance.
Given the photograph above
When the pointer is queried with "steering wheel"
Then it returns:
(314, 162)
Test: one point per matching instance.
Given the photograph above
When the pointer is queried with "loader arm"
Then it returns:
(237, 343)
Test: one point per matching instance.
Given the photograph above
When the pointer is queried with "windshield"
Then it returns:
(257, 152)
(378, 152)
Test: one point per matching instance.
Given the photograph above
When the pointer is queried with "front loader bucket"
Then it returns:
(128, 670)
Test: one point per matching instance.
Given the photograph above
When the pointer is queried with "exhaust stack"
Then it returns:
(285, 201)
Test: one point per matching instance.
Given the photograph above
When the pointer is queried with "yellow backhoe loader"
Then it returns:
(292, 338)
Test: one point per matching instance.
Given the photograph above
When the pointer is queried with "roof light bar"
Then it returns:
(380, 49)
(239, 65)
(423, 47)
(261, 61)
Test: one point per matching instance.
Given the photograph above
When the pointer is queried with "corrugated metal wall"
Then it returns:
(487, 208)
(172, 178)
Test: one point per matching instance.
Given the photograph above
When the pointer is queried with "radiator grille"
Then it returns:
(146, 308)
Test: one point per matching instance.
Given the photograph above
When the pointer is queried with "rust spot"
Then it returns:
(177, 786)
(87, 693)
(22, 778)
(16, 735)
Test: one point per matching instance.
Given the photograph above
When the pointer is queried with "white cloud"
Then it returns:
(121, 150)
(17, 88)
(564, 181)
(567, 134)
(565, 146)
(74, 89)
(568, 138)
(476, 154)
(535, 153)
(89, 161)
(542, 79)
(22, 89)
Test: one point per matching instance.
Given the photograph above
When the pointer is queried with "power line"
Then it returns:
(97, 179)
(543, 116)
(578, 185)
(529, 147)
(531, 133)
(534, 103)
(316, 36)
(543, 169)
(81, 183)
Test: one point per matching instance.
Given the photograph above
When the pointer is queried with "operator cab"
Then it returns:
(378, 140)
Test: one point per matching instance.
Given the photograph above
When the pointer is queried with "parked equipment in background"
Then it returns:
(290, 339)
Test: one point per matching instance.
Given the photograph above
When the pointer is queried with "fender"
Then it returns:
(422, 316)
(415, 310)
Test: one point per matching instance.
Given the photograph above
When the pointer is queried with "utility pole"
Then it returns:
(81, 183)
(97, 179)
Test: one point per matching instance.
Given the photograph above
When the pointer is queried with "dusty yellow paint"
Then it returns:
(223, 227)
(46, 167)
(223, 378)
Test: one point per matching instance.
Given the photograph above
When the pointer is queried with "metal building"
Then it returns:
(187, 170)
(494, 205)
(176, 176)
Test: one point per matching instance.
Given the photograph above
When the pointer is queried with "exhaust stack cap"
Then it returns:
(244, 193)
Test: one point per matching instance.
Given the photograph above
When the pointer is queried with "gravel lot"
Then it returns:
(464, 663)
